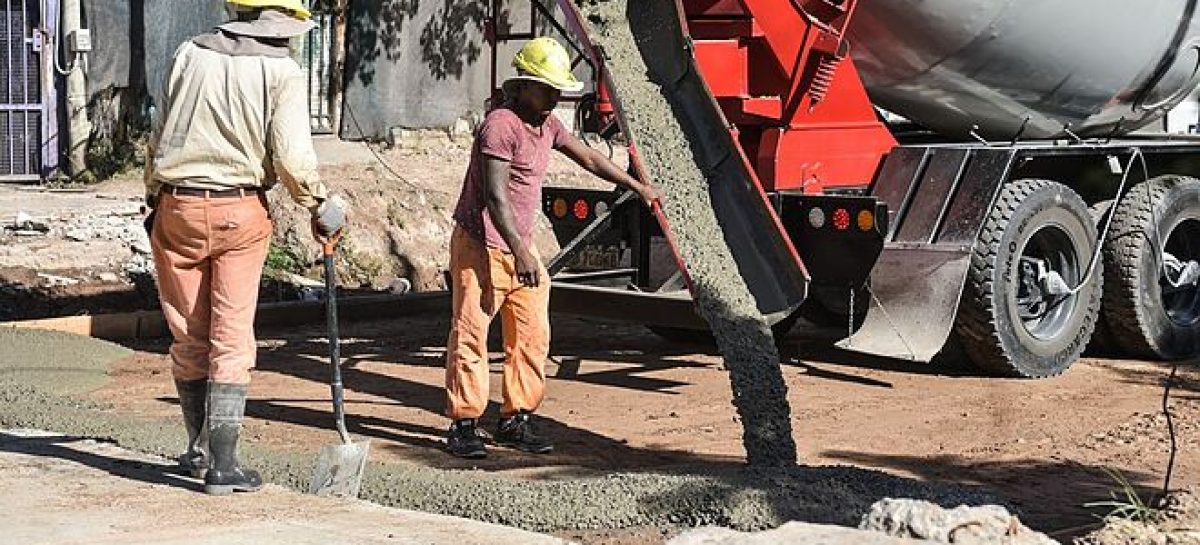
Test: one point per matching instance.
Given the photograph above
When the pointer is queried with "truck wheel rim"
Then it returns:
(1043, 314)
(1182, 304)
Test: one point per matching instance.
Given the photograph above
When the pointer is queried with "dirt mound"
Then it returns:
(1177, 522)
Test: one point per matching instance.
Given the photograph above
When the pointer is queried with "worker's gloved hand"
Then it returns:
(329, 217)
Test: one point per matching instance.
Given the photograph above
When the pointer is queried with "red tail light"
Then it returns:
(841, 219)
(581, 210)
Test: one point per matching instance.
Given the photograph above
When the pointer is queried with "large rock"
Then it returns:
(984, 525)
(792, 532)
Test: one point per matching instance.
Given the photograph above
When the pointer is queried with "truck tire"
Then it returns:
(1011, 320)
(1147, 316)
(1102, 343)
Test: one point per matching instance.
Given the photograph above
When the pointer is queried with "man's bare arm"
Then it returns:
(495, 186)
(596, 163)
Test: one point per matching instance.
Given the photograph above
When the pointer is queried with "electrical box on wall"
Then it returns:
(79, 41)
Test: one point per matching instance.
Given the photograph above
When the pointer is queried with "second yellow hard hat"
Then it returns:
(546, 61)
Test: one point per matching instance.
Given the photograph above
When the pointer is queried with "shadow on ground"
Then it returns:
(56, 447)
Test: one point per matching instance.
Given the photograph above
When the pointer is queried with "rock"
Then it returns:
(25, 222)
(792, 532)
(108, 277)
(399, 137)
(983, 525)
(139, 241)
(461, 128)
(80, 235)
(139, 265)
(400, 286)
(303, 281)
(53, 280)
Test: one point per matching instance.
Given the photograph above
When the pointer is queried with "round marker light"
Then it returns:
(581, 209)
(841, 219)
(866, 220)
(816, 217)
(560, 208)
(601, 208)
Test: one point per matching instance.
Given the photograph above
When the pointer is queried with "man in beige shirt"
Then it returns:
(234, 121)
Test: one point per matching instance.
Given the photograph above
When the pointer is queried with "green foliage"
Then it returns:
(282, 258)
(107, 158)
(1125, 503)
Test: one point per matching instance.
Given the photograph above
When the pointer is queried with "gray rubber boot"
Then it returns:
(226, 407)
(193, 401)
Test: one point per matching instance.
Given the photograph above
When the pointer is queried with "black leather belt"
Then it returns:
(214, 194)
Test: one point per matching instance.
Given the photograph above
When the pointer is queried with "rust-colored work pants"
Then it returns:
(209, 254)
(484, 281)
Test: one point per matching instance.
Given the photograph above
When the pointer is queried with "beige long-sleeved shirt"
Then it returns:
(234, 117)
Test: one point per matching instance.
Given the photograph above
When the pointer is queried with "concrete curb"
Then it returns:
(151, 324)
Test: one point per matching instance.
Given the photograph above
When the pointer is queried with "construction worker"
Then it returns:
(494, 266)
(233, 121)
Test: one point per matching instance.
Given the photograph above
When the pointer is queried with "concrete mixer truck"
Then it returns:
(985, 177)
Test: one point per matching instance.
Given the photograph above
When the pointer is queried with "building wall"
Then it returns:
(419, 64)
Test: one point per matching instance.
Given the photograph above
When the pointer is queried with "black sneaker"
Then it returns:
(517, 432)
(464, 440)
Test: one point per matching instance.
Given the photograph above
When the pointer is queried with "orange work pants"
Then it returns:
(483, 282)
(209, 255)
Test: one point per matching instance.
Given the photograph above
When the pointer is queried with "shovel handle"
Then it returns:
(335, 352)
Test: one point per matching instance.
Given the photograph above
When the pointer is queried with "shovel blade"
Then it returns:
(340, 470)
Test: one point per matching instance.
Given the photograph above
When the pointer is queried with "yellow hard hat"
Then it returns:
(545, 60)
(294, 6)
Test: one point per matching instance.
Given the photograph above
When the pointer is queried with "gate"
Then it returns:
(21, 108)
(315, 60)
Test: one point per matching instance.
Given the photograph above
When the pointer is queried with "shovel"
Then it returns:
(340, 467)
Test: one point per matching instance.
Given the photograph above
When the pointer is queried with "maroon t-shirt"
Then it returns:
(505, 136)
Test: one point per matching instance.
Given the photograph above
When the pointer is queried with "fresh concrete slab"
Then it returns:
(61, 490)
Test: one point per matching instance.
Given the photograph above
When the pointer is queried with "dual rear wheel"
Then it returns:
(1034, 298)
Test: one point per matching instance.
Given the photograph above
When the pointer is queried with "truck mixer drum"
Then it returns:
(1001, 64)
(1152, 258)
(1018, 315)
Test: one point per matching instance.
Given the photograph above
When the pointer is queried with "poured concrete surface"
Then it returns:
(58, 489)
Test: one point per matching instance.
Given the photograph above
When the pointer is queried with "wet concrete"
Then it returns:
(60, 362)
(636, 37)
(743, 499)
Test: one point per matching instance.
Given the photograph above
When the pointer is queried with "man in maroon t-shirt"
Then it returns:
(494, 266)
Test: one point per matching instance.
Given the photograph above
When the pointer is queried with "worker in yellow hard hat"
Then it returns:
(233, 121)
(494, 267)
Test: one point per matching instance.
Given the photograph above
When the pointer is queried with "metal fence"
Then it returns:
(21, 109)
(316, 61)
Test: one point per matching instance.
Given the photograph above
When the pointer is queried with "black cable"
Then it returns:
(1166, 407)
(363, 135)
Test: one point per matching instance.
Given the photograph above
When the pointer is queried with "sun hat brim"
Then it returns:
(270, 24)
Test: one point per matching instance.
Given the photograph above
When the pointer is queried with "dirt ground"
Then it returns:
(84, 261)
(622, 399)
(619, 398)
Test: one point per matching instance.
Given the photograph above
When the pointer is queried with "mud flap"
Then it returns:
(916, 292)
